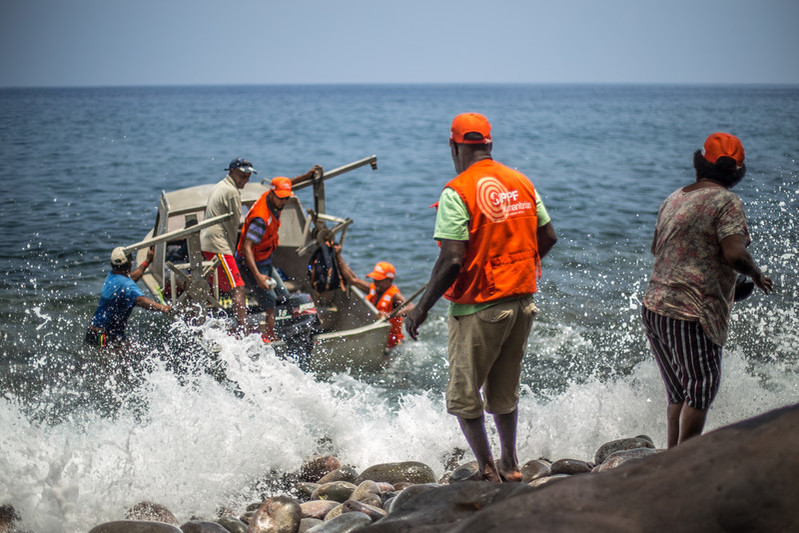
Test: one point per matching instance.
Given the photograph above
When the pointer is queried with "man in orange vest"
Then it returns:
(382, 293)
(493, 230)
(258, 241)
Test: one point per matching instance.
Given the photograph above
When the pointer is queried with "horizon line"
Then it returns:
(412, 84)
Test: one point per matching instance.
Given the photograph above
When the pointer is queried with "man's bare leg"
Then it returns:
(508, 465)
(475, 432)
(240, 308)
(269, 325)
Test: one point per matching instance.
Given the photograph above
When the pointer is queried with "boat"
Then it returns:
(335, 331)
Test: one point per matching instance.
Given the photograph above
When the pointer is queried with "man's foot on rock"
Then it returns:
(513, 476)
(489, 473)
(510, 474)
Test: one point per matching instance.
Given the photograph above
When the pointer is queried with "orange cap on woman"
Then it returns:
(723, 145)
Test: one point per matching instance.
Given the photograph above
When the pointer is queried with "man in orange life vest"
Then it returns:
(381, 292)
(258, 241)
(493, 230)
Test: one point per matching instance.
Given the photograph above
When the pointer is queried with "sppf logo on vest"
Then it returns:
(493, 198)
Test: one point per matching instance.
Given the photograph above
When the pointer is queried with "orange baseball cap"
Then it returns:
(470, 123)
(281, 186)
(721, 145)
(382, 270)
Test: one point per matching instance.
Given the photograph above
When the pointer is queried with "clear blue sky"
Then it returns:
(168, 42)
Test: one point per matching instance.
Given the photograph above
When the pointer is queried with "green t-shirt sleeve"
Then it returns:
(452, 218)
(541, 211)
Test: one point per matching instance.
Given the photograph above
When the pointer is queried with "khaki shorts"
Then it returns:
(485, 351)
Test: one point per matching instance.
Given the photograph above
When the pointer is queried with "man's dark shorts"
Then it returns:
(267, 299)
(98, 337)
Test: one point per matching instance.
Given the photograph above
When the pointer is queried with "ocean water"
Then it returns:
(81, 439)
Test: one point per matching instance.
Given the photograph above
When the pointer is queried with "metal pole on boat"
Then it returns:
(177, 234)
(317, 216)
(328, 174)
(318, 192)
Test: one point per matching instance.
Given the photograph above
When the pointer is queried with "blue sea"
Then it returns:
(83, 169)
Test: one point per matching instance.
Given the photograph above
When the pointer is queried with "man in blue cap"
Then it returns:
(220, 240)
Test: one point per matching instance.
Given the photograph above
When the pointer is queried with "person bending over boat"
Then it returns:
(220, 240)
(381, 292)
(699, 247)
(120, 294)
(493, 230)
(257, 243)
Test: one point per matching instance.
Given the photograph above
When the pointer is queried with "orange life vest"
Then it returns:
(502, 255)
(385, 305)
(261, 250)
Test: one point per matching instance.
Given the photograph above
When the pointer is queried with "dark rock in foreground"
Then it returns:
(135, 526)
(439, 508)
(738, 478)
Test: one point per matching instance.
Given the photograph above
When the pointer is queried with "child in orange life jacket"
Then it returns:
(381, 292)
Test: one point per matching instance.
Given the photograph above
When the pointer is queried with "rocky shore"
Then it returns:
(737, 478)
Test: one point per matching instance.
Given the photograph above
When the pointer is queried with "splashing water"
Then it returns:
(84, 437)
(193, 443)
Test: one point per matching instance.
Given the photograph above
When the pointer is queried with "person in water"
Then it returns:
(119, 296)
(493, 231)
(699, 247)
(382, 293)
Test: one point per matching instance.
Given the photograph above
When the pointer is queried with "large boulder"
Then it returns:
(318, 508)
(280, 514)
(438, 508)
(616, 459)
(339, 491)
(738, 478)
(537, 468)
(233, 525)
(570, 467)
(412, 472)
(151, 511)
(200, 526)
(344, 523)
(621, 444)
(317, 467)
(368, 492)
(135, 526)
(345, 473)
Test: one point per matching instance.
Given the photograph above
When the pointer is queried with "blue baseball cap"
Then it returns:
(241, 164)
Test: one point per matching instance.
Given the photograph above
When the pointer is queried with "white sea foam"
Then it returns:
(198, 445)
